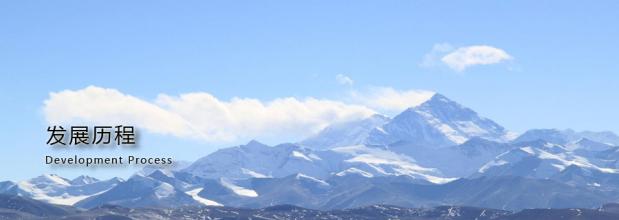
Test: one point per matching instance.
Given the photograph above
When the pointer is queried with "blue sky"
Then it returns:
(562, 71)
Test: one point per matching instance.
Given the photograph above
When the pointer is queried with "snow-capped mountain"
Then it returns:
(435, 141)
(605, 137)
(258, 160)
(438, 122)
(58, 190)
(350, 191)
(568, 136)
(455, 161)
(588, 145)
(83, 180)
(549, 135)
(176, 166)
(140, 191)
(438, 152)
(610, 156)
(345, 134)
(255, 159)
(539, 159)
(372, 161)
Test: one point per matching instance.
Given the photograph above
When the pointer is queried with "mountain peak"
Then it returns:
(444, 108)
(253, 143)
(437, 97)
(550, 135)
(83, 180)
(162, 173)
(586, 141)
(568, 136)
(438, 122)
(588, 144)
(50, 179)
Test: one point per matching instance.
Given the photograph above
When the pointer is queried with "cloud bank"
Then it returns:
(203, 116)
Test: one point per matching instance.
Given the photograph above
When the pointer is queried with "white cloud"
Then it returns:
(199, 115)
(465, 57)
(101, 106)
(389, 100)
(433, 58)
(344, 80)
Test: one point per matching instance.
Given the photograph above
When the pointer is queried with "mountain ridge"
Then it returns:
(436, 153)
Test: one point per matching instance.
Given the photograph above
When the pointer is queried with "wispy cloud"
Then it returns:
(344, 80)
(433, 58)
(389, 100)
(465, 57)
(460, 59)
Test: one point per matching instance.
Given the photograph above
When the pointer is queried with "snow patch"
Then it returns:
(353, 170)
(253, 174)
(528, 150)
(42, 194)
(300, 155)
(194, 194)
(238, 189)
(396, 164)
(303, 176)
(490, 164)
